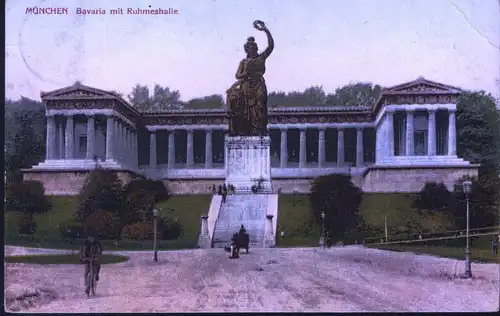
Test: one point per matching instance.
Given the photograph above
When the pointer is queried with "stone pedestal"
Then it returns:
(248, 162)
(270, 239)
(204, 239)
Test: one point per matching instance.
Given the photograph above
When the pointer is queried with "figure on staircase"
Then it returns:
(247, 97)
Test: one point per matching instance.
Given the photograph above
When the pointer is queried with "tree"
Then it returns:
(27, 197)
(433, 197)
(339, 199)
(483, 198)
(354, 94)
(139, 97)
(214, 101)
(163, 98)
(24, 136)
(155, 187)
(102, 191)
(478, 129)
(139, 206)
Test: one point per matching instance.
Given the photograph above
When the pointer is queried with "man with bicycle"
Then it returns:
(91, 249)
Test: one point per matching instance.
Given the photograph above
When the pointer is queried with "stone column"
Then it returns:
(90, 136)
(109, 137)
(431, 137)
(128, 146)
(134, 149)
(390, 132)
(321, 147)
(284, 148)
(124, 142)
(189, 148)
(51, 138)
(410, 144)
(171, 149)
(452, 133)
(302, 148)
(208, 148)
(340, 147)
(61, 139)
(359, 148)
(152, 150)
(70, 138)
(117, 149)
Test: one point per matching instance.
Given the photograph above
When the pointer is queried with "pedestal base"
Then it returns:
(248, 163)
(204, 241)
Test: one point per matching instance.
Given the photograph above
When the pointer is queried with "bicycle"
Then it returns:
(91, 285)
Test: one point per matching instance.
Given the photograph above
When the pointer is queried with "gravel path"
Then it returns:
(347, 279)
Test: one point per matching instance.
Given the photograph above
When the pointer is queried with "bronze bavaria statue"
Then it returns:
(247, 97)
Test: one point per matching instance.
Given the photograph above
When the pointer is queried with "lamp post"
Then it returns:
(467, 186)
(322, 238)
(155, 214)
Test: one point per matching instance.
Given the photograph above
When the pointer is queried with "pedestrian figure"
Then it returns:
(235, 251)
(224, 193)
(214, 189)
(494, 246)
(219, 191)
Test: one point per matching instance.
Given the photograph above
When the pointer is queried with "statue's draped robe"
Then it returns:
(248, 101)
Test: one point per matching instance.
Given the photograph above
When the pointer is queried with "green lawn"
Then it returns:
(62, 210)
(294, 215)
(395, 206)
(477, 254)
(186, 208)
(295, 220)
(61, 259)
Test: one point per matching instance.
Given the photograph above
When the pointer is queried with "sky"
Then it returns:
(317, 42)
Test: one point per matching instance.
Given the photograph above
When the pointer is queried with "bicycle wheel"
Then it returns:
(94, 285)
(88, 286)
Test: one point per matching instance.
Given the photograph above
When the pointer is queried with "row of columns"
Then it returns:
(190, 149)
(431, 130)
(283, 148)
(321, 148)
(120, 140)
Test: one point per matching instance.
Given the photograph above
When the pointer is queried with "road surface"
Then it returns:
(351, 278)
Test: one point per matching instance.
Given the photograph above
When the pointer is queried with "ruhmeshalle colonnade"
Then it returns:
(409, 131)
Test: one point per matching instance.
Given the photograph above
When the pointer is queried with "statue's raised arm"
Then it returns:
(259, 25)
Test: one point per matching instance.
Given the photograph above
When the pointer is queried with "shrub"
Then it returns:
(26, 224)
(433, 197)
(169, 228)
(102, 191)
(104, 224)
(71, 230)
(157, 188)
(139, 207)
(484, 201)
(339, 199)
(138, 231)
(27, 197)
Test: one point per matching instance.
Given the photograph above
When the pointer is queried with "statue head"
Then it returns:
(251, 47)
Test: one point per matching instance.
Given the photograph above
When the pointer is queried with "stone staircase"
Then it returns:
(242, 209)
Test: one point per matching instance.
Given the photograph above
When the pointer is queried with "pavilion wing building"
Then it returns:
(408, 137)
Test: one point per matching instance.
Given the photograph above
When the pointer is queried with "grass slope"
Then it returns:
(62, 259)
(294, 216)
(187, 209)
(477, 254)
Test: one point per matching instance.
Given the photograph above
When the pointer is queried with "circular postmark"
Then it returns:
(52, 48)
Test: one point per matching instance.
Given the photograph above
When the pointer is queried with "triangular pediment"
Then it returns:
(77, 90)
(422, 85)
